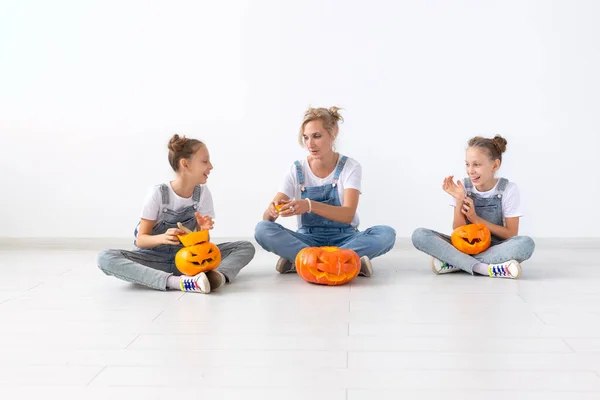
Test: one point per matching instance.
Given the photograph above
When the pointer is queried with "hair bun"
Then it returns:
(500, 143)
(177, 143)
(334, 111)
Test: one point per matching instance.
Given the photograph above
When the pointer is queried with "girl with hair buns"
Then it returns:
(185, 200)
(322, 192)
(481, 199)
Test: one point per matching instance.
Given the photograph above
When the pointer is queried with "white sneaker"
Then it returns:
(439, 267)
(197, 283)
(510, 269)
(366, 268)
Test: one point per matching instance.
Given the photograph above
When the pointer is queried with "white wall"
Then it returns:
(90, 92)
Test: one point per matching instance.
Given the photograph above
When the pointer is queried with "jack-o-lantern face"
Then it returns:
(472, 238)
(197, 255)
(327, 265)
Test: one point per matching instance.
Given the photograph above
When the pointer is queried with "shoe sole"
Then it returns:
(368, 267)
(518, 269)
(217, 284)
(433, 268)
(281, 263)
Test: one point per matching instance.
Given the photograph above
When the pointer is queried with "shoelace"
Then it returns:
(500, 270)
(189, 285)
(447, 266)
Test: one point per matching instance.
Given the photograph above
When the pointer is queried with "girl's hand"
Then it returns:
(205, 223)
(293, 207)
(453, 189)
(468, 209)
(170, 236)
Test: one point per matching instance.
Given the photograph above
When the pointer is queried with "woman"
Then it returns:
(322, 191)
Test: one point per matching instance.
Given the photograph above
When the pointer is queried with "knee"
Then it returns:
(526, 245)
(248, 249)
(387, 235)
(419, 236)
(262, 230)
(105, 259)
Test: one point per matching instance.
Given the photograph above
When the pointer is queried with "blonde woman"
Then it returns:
(322, 192)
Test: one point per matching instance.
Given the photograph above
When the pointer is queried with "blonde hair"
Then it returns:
(329, 117)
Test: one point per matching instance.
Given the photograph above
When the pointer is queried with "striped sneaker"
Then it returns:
(197, 283)
(439, 267)
(510, 269)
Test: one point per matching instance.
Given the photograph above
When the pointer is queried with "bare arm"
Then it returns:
(271, 213)
(145, 240)
(343, 214)
(503, 232)
(459, 217)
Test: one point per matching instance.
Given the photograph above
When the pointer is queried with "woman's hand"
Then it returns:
(273, 209)
(453, 189)
(293, 207)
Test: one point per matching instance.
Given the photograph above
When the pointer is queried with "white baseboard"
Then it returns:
(61, 243)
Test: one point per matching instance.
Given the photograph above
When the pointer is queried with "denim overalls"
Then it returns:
(489, 208)
(170, 218)
(152, 267)
(312, 223)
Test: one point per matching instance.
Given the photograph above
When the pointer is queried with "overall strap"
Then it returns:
(197, 192)
(299, 174)
(338, 170)
(468, 185)
(164, 192)
(501, 187)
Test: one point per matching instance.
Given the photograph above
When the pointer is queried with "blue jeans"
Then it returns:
(519, 248)
(373, 242)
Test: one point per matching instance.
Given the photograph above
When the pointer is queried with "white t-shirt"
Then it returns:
(350, 178)
(511, 199)
(153, 208)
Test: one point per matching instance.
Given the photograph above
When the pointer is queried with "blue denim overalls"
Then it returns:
(323, 229)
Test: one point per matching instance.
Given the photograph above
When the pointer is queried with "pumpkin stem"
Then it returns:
(183, 228)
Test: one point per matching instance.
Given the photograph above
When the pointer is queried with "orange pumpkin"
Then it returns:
(471, 238)
(327, 265)
(197, 255)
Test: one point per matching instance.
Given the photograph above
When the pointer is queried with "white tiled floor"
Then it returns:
(68, 330)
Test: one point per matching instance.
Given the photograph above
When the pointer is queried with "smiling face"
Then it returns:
(481, 168)
(198, 166)
(317, 140)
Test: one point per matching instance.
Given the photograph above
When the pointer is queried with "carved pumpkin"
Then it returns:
(327, 265)
(471, 238)
(197, 255)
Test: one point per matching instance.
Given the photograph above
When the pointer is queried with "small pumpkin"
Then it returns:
(472, 238)
(327, 265)
(197, 255)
